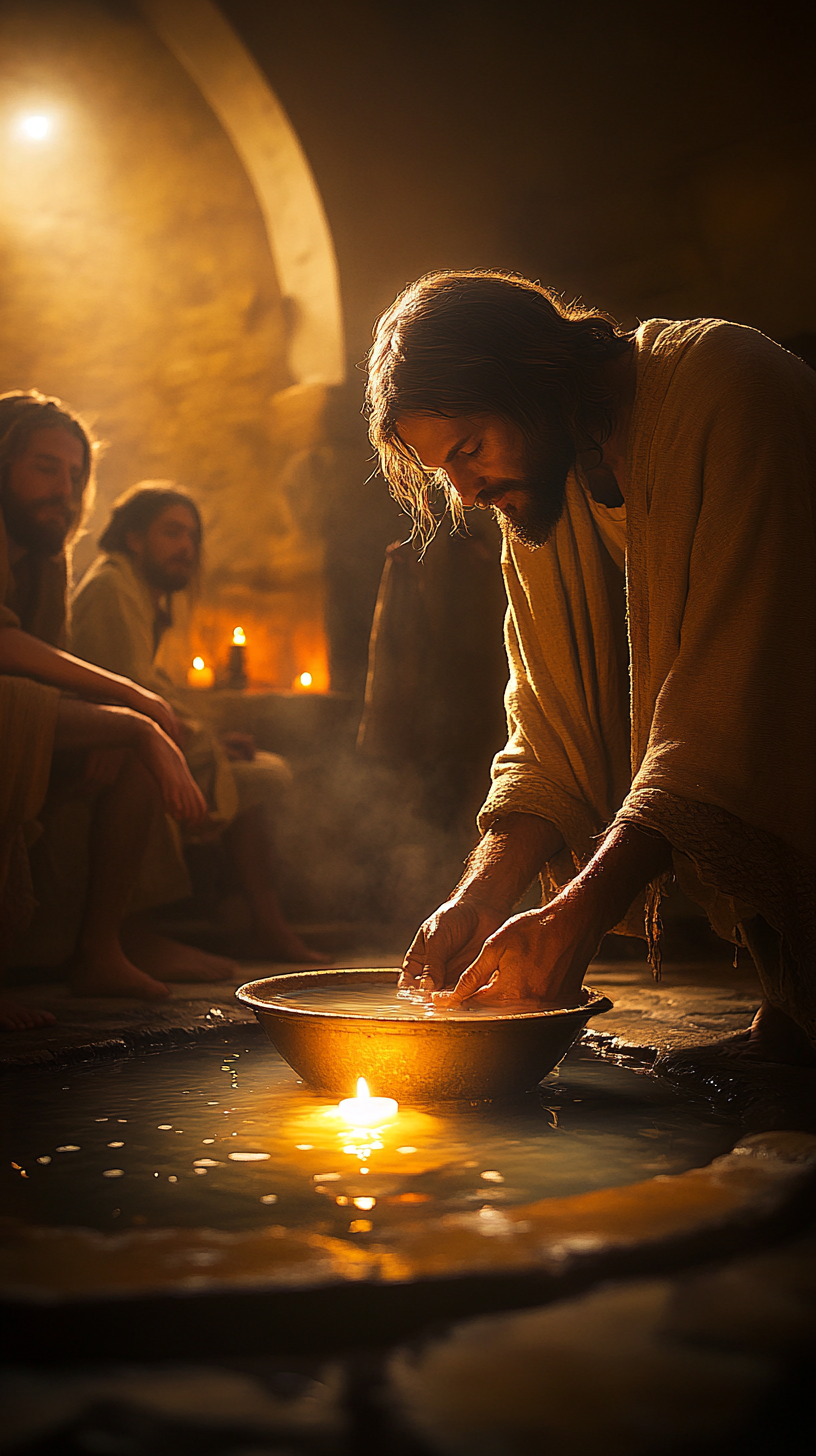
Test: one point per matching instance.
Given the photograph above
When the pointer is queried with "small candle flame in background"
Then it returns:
(365, 1110)
(200, 675)
(305, 679)
(239, 637)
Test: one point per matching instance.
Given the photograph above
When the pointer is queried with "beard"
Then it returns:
(544, 485)
(167, 576)
(42, 537)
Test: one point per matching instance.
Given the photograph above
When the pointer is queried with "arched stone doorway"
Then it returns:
(169, 271)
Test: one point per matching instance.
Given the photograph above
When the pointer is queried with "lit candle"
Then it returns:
(237, 670)
(305, 680)
(365, 1110)
(199, 675)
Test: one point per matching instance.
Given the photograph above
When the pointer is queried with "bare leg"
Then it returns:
(248, 845)
(171, 959)
(773, 1035)
(119, 836)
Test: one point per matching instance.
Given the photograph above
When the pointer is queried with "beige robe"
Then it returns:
(112, 615)
(41, 902)
(719, 585)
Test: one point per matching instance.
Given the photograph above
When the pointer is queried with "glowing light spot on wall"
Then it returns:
(35, 128)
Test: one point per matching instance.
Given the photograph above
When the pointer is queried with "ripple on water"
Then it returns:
(608, 1126)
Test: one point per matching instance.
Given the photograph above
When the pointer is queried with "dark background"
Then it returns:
(657, 160)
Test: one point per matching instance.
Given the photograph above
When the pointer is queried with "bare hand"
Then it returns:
(183, 799)
(448, 941)
(539, 956)
(240, 747)
(150, 705)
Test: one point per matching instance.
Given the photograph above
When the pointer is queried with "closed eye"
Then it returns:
(475, 451)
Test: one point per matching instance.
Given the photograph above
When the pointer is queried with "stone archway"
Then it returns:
(169, 271)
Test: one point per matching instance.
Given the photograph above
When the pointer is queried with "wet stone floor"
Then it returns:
(225, 1136)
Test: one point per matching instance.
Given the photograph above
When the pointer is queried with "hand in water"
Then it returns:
(538, 956)
(446, 943)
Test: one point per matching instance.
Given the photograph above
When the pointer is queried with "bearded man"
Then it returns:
(134, 593)
(663, 476)
(92, 759)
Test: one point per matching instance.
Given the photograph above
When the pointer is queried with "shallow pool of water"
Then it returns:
(227, 1137)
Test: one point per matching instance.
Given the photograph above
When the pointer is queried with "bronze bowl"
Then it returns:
(456, 1058)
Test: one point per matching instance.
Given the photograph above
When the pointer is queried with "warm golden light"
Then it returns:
(199, 675)
(239, 637)
(365, 1110)
(305, 679)
(35, 128)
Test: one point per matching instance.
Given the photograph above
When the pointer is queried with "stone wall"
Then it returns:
(140, 287)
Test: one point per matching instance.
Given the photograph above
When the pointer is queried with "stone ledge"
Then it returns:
(268, 1289)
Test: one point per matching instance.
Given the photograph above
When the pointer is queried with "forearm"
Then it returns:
(627, 861)
(507, 859)
(89, 725)
(22, 655)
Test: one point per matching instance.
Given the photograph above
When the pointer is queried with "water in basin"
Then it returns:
(382, 1004)
(227, 1137)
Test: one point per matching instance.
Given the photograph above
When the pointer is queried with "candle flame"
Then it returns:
(198, 663)
(239, 637)
(305, 679)
(362, 1089)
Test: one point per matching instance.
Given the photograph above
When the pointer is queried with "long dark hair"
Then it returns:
(483, 342)
(138, 507)
(22, 412)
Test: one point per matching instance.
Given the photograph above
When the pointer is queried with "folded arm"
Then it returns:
(22, 655)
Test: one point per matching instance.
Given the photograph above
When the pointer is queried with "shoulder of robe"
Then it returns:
(720, 354)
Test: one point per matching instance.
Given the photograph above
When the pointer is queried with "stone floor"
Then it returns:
(698, 1001)
(674, 1315)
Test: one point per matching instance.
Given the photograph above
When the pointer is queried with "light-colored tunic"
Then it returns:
(113, 625)
(715, 751)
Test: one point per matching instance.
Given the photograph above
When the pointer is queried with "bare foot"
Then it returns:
(174, 961)
(15, 1017)
(285, 945)
(772, 1037)
(110, 973)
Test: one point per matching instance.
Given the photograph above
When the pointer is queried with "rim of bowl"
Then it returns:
(247, 994)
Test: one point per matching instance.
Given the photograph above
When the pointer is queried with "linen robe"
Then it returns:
(717, 754)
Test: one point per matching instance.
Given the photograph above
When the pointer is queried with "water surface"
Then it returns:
(227, 1137)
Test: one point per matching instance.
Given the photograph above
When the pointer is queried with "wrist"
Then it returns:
(485, 899)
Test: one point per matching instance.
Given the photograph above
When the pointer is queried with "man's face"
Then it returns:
(42, 497)
(490, 464)
(167, 552)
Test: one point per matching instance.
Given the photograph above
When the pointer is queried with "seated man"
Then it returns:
(120, 612)
(76, 737)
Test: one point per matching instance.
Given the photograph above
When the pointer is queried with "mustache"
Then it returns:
(57, 502)
(486, 499)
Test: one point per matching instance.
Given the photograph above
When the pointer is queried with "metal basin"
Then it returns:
(456, 1058)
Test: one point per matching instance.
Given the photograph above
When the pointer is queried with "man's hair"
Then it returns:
(22, 413)
(483, 342)
(139, 506)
